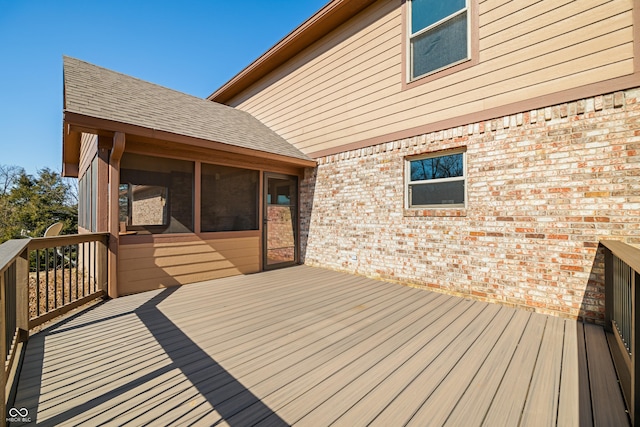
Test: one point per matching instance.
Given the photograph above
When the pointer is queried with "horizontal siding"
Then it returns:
(337, 58)
(521, 16)
(484, 82)
(147, 266)
(557, 34)
(88, 150)
(347, 87)
(485, 85)
(493, 4)
(360, 81)
(493, 11)
(375, 119)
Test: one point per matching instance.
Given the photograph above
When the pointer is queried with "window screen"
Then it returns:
(229, 198)
(436, 180)
(156, 194)
(439, 35)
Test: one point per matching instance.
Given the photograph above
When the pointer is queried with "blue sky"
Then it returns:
(190, 46)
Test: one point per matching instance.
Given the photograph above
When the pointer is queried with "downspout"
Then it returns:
(114, 218)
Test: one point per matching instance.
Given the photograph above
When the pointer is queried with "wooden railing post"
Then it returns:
(22, 295)
(103, 267)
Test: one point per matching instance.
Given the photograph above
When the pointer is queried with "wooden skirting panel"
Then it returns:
(160, 264)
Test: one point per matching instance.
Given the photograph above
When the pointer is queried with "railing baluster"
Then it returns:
(83, 264)
(92, 278)
(69, 277)
(37, 283)
(62, 275)
(55, 278)
(622, 306)
(77, 267)
(46, 279)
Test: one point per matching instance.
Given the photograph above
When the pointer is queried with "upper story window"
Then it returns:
(438, 35)
(436, 180)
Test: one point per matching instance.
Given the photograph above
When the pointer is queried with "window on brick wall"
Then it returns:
(439, 34)
(436, 180)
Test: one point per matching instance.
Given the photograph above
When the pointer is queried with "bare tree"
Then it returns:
(9, 174)
(72, 192)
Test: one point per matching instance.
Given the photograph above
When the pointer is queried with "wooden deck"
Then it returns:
(307, 346)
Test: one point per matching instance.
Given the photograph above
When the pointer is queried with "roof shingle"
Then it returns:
(101, 93)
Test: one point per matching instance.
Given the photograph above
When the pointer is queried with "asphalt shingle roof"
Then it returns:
(101, 93)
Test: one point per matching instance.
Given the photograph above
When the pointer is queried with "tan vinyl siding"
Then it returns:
(88, 150)
(147, 266)
(348, 88)
(341, 62)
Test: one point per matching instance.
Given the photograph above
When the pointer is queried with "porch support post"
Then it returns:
(104, 149)
(114, 224)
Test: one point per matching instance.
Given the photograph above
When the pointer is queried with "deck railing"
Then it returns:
(65, 272)
(622, 300)
(41, 279)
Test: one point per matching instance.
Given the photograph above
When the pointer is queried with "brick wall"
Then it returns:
(543, 187)
(280, 238)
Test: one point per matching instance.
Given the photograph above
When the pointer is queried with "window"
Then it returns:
(144, 204)
(436, 180)
(156, 194)
(438, 35)
(229, 198)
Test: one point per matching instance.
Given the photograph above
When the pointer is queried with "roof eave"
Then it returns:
(70, 152)
(75, 124)
(332, 15)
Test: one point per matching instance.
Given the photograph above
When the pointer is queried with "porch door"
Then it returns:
(280, 231)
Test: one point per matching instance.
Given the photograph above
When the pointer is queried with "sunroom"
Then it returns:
(188, 189)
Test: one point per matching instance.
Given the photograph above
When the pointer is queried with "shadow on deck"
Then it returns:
(307, 346)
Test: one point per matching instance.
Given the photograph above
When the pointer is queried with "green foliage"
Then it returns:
(31, 204)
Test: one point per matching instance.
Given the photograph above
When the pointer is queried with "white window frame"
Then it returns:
(408, 183)
(411, 36)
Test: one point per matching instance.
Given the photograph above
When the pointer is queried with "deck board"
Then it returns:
(305, 411)
(602, 379)
(476, 399)
(307, 346)
(441, 402)
(420, 387)
(541, 407)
